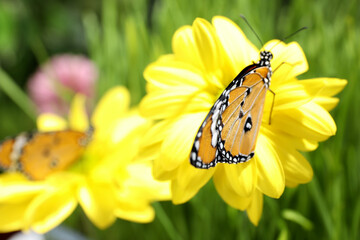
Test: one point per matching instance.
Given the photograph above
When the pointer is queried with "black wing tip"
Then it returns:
(241, 158)
(201, 165)
(197, 163)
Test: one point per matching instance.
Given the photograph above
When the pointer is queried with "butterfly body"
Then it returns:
(39, 154)
(229, 132)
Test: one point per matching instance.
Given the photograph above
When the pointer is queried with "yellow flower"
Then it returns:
(183, 86)
(108, 182)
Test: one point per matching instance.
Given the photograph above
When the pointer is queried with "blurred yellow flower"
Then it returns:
(107, 181)
(183, 86)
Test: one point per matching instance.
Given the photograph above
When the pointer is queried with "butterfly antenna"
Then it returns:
(299, 30)
(243, 17)
(287, 37)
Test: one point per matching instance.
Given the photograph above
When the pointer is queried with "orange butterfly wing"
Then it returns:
(50, 152)
(242, 118)
(5, 153)
(203, 153)
(229, 132)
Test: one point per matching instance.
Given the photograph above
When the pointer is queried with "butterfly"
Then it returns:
(229, 132)
(41, 153)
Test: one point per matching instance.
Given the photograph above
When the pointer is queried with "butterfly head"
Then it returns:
(265, 58)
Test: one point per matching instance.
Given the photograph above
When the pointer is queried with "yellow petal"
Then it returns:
(271, 178)
(297, 169)
(50, 122)
(17, 189)
(291, 184)
(327, 103)
(78, 118)
(141, 215)
(98, 202)
(149, 153)
(111, 143)
(150, 145)
(172, 102)
(206, 44)
(12, 177)
(112, 163)
(240, 52)
(321, 90)
(307, 121)
(50, 209)
(177, 145)
(184, 46)
(323, 87)
(156, 133)
(242, 177)
(208, 48)
(291, 141)
(227, 193)
(132, 206)
(255, 208)
(174, 74)
(289, 61)
(141, 180)
(12, 216)
(161, 172)
(304, 144)
(288, 96)
(133, 125)
(188, 182)
(137, 191)
(112, 105)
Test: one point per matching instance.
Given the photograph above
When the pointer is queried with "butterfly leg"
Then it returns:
(287, 63)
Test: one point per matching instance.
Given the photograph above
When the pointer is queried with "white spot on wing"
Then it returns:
(16, 152)
(215, 119)
(19, 143)
(197, 144)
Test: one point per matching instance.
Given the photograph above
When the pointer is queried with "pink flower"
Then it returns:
(54, 84)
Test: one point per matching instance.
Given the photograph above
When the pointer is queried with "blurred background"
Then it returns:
(122, 36)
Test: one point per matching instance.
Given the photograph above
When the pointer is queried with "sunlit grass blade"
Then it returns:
(297, 217)
(17, 95)
(166, 222)
(320, 202)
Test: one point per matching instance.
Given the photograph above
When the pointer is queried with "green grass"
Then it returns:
(119, 38)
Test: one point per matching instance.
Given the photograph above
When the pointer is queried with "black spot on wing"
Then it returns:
(248, 124)
(46, 152)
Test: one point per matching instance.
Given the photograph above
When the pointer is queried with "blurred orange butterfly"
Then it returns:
(39, 154)
(229, 132)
